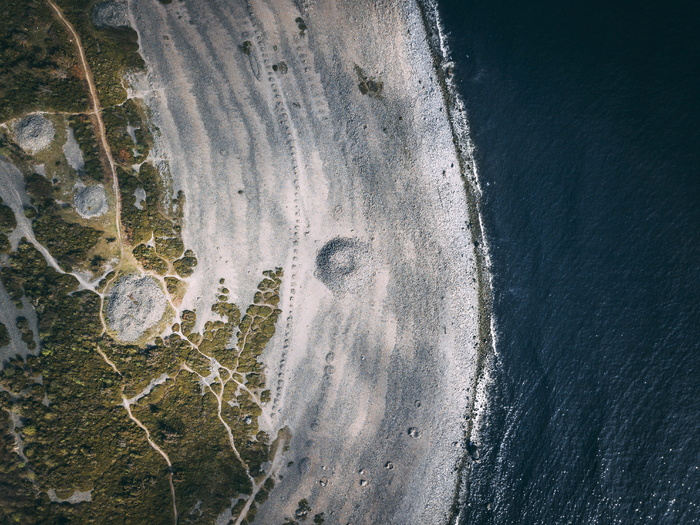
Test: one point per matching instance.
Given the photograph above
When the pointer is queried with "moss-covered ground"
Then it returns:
(163, 431)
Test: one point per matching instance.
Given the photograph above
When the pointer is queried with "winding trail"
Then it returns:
(96, 113)
(101, 133)
(160, 451)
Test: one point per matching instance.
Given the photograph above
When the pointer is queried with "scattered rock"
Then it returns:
(367, 85)
(473, 451)
(34, 133)
(414, 432)
(389, 465)
(363, 483)
(135, 304)
(343, 264)
(91, 201)
(280, 67)
(111, 13)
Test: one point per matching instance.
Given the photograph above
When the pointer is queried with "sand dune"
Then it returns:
(378, 332)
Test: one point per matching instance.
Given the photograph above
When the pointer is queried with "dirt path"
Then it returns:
(160, 451)
(97, 113)
(107, 153)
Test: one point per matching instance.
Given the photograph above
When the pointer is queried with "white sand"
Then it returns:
(376, 326)
(140, 195)
(34, 133)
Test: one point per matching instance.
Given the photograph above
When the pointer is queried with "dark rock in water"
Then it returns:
(473, 451)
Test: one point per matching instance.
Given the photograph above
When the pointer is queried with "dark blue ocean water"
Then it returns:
(586, 120)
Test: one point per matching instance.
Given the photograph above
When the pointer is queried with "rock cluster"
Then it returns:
(91, 201)
(34, 133)
(135, 304)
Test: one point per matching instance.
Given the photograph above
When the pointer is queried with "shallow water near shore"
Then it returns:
(584, 120)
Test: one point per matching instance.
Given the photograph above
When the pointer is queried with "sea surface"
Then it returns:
(586, 121)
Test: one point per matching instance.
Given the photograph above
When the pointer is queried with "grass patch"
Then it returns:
(38, 66)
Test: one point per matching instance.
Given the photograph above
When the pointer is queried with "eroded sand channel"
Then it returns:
(287, 136)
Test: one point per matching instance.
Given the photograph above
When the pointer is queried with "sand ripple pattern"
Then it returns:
(361, 201)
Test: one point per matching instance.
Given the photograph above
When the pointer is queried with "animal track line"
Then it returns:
(282, 114)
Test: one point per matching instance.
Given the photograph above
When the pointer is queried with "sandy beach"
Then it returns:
(313, 136)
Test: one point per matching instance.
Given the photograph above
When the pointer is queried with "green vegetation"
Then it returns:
(84, 134)
(280, 67)
(176, 288)
(368, 86)
(302, 513)
(38, 67)
(153, 220)
(147, 257)
(68, 242)
(116, 120)
(26, 332)
(4, 335)
(7, 218)
(83, 439)
(7, 225)
(301, 25)
(185, 266)
(246, 47)
(4, 243)
(111, 52)
(65, 407)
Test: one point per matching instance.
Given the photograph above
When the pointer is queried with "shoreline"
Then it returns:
(464, 146)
